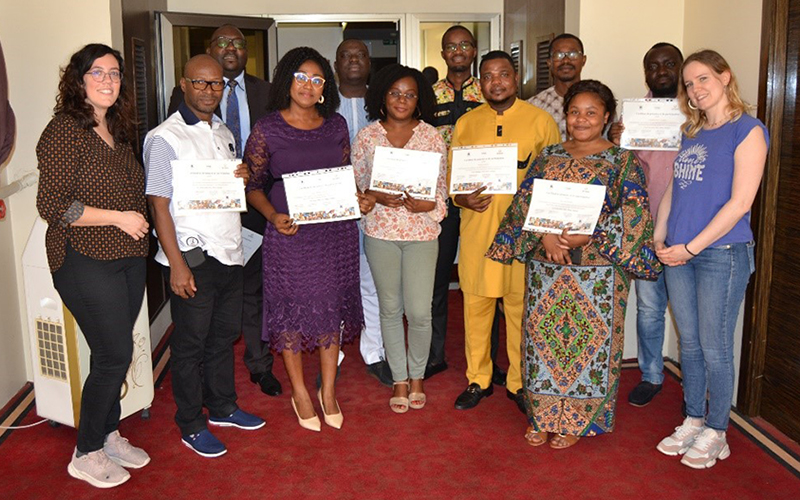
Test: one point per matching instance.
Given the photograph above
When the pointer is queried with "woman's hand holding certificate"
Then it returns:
(323, 195)
(399, 171)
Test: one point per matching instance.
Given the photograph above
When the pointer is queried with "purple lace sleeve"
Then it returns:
(256, 155)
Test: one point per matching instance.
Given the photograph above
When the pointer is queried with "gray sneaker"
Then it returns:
(121, 452)
(707, 448)
(96, 469)
(681, 440)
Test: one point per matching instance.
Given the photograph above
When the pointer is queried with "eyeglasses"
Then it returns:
(464, 46)
(303, 78)
(572, 54)
(99, 75)
(410, 96)
(216, 85)
(223, 42)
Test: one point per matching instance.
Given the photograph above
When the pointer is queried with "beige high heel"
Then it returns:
(399, 404)
(416, 400)
(337, 419)
(312, 424)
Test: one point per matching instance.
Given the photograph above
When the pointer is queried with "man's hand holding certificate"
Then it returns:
(557, 205)
(399, 171)
(492, 166)
(652, 124)
(324, 195)
(206, 186)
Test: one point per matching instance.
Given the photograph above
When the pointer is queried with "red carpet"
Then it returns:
(437, 452)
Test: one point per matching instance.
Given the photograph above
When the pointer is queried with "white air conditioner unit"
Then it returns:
(59, 352)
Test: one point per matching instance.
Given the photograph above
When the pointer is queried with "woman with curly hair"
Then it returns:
(312, 296)
(401, 234)
(704, 239)
(91, 193)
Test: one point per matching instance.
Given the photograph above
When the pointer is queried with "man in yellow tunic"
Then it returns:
(503, 119)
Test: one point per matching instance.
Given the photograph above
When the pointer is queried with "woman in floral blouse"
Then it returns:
(401, 233)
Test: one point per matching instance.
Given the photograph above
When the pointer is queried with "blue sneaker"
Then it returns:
(240, 419)
(205, 444)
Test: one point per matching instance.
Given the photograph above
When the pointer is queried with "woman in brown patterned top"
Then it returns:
(91, 193)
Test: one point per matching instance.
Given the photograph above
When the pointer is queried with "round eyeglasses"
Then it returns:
(303, 78)
(99, 75)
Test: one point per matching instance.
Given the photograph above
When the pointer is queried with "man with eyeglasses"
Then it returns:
(202, 260)
(504, 119)
(565, 63)
(243, 103)
(456, 94)
(352, 67)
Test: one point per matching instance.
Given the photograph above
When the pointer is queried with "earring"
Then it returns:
(417, 112)
(383, 112)
(689, 103)
(321, 99)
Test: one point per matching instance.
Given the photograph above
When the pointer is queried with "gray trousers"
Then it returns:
(404, 273)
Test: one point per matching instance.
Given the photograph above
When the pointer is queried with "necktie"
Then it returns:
(232, 117)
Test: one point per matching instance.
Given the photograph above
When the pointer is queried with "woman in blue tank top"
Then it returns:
(703, 237)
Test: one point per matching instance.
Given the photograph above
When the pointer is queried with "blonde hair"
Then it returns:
(697, 118)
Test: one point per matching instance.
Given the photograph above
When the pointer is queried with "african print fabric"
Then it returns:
(575, 315)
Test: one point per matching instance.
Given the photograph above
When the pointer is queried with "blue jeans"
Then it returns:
(651, 305)
(706, 294)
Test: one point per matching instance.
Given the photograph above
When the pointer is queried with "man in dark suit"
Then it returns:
(244, 102)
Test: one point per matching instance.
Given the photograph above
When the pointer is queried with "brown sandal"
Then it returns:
(399, 404)
(535, 438)
(567, 440)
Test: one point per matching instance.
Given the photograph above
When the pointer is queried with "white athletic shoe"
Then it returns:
(96, 469)
(707, 448)
(681, 440)
(121, 452)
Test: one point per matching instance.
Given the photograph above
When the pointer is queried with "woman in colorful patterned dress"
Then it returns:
(401, 234)
(575, 311)
(312, 296)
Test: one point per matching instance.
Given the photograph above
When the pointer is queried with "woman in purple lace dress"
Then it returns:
(312, 297)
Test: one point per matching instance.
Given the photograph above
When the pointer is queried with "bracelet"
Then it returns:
(686, 246)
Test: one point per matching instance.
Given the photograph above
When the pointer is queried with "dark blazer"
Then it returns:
(257, 94)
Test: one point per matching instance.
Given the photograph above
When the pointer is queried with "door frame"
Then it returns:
(165, 66)
(771, 95)
(412, 31)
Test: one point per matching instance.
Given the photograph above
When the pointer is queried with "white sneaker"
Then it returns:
(707, 448)
(96, 469)
(121, 452)
(681, 440)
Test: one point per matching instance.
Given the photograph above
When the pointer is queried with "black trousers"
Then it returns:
(105, 298)
(448, 248)
(201, 362)
(257, 355)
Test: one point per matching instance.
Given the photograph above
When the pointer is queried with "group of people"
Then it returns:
(315, 287)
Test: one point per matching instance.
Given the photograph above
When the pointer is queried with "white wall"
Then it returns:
(324, 38)
(33, 74)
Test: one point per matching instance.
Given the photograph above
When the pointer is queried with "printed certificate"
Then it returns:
(651, 124)
(206, 186)
(324, 195)
(493, 166)
(396, 171)
(556, 205)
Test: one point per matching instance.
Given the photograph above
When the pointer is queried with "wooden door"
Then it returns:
(771, 362)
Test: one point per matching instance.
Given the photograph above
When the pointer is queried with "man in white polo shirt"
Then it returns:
(202, 258)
